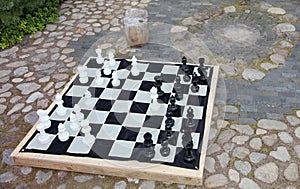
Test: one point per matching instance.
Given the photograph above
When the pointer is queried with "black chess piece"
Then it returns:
(158, 83)
(195, 87)
(169, 132)
(148, 144)
(183, 61)
(190, 122)
(173, 106)
(201, 62)
(186, 77)
(169, 120)
(165, 149)
(178, 89)
(189, 155)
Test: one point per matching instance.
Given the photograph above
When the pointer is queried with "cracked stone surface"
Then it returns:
(255, 135)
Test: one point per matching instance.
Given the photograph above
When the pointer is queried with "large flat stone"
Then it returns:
(271, 124)
(267, 173)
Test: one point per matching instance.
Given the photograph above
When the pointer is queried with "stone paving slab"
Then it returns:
(256, 146)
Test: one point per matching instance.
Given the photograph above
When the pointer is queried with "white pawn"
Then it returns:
(61, 110)
(86, 129)
(99, 79)
(111, 57)
(134, 70)
(107, 69)
(88, 99)
(83, 76)
(78, 113)
(43, 137)
(99, 59)
(74, 124)
(153, 95)
(44, 118)
(115, 82)
(63, 134)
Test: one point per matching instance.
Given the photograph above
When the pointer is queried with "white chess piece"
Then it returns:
(61, 110)
(43, 137)
(78, 113)
(115, 82)
(134, 69)
(74, 124)
(153, 95)
(86, 129)
(63, 134)
(99, 58)
(111, 57)
(107, 69)
(99, 80)
(83, 76)
(88, 99)
(44, 118)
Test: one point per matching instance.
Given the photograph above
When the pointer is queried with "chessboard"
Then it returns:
(129, 118)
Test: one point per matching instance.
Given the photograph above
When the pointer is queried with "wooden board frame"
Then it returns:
(132, 169)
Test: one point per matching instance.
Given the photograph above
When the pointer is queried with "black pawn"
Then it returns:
(186, 77)
(183, 61)
(190, 116)
(165, 149)
(169, 120)
(158, 83)
(148, 143)
(195, 87)
(178, 89)
(169, 132)
(189, 153)
(173, 106)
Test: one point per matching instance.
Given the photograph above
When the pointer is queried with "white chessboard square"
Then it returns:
(144, 130)
(207, 71)
(198, 111)
(55, 116)
(91, 72)
(109, 131)
(152, 110)
(103, 84)
(82, 103)
(134, 120)
(149, 76)
(110, 94)
(77, 91)
(122, 148)
(167, 87)
(158, 157)
(121, 106)
(97, 116)
(202, 91)
(35, 143)
(142, 67)
(170, 69)
(71, 131)
(131, 85)
(115, 67)
(195, 136)
(177, 125)
(78, 146)
(123, 73)
(142, 96)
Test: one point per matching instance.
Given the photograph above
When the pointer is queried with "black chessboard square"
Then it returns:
(93, 64)
(172, 140)
(185, 88)
(96, 91)
(107, 76)
(197, 100)
(115, 118)
(77, 82)
(139, 107)
(95, 129)
(70, 101)
(164, 98)
(128, 133)
(109, 85)
(124, 64)
(104, 105)
(63, 146)
(146, 85)
(179, 159)
(85, 113)
(169, 78)
(53, 129)
(153, 121)
(178, 112)
(101, 148)
(138, 152)
(155, 68)
(126, 95)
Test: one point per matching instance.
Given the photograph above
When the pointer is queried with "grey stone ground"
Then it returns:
(256, 146)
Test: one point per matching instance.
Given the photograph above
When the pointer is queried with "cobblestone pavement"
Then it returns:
(257, 143)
